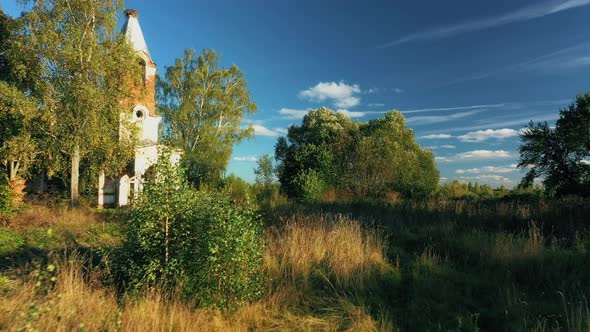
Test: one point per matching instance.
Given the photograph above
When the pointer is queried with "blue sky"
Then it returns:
(466, 74)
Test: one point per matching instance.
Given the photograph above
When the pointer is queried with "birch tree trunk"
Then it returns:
(75, 175)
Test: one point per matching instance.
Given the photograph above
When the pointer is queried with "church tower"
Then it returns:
(144, 106)
(140, 111)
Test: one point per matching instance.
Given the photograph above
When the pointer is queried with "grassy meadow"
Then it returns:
(439, 265)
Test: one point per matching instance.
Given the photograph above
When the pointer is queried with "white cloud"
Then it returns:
(483, 154)
(495, 124)
(261, 130)
(536, 10)
(443, 159)
(487, 178)
(456, 108)
(483, 135)
(439, 118)
(585, 162)
(437, 136)
(476, 155)
(488, 169)
(398, 90)
(351, 114)
(375, 104)
(347, 102)
(292, 114)
(435, 147)
(340, 93)
(248, 159)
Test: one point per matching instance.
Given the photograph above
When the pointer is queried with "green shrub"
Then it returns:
(310, 185)
(227, 257)
(6, 209)
(200, 243)
(237, 189)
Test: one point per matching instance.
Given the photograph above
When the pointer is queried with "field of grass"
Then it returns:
(430, 266)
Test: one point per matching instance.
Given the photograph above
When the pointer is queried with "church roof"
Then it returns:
(132, 31)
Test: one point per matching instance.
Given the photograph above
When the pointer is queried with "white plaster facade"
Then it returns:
(129, 184)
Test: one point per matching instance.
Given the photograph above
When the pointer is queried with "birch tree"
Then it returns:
(203, 106)
(86, 68)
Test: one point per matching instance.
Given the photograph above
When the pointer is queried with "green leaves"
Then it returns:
(558, 153)
(83, 71)
(203, 106)
(202, 243)
(330, 152)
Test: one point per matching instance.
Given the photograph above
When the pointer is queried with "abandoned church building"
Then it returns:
(141, 112)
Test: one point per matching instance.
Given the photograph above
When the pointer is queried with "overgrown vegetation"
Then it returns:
(329, 152)
(201, 244)
(367, 239)
(355, 266)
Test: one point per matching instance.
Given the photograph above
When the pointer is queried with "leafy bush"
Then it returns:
(240, 191)
(310, 185)
(6, 209)
(365, 159)
(199, 243)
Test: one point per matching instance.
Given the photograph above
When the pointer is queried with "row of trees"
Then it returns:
(329, 152)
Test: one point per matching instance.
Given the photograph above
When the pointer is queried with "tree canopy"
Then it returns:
(85, 68)
(330, 152)
(203, 105)
(559, 155)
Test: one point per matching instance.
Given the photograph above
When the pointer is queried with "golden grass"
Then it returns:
(338, 245)
(72, 303)
(38, 215)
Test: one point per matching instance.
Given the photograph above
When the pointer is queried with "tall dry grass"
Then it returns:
(76, 300)
(335, 243)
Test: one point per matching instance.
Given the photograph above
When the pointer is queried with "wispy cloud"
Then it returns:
(488, 169)
(522, 121)
(483, 154)
(422, 120)
(375, 104)
(341, 94)
(566, 58)
(537, 10)
(476, 155)
(483, 135)
(487, 178)
(261, 130)
(292, 114)
(352, 114)
(437, 136)
(455, 108)
(445, 146)
(248, 159)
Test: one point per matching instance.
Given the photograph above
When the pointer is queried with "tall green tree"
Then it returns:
(329, 151)
(311, 156)
(203, 105)
(17, 146)
(559, 155)
(86, 69)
